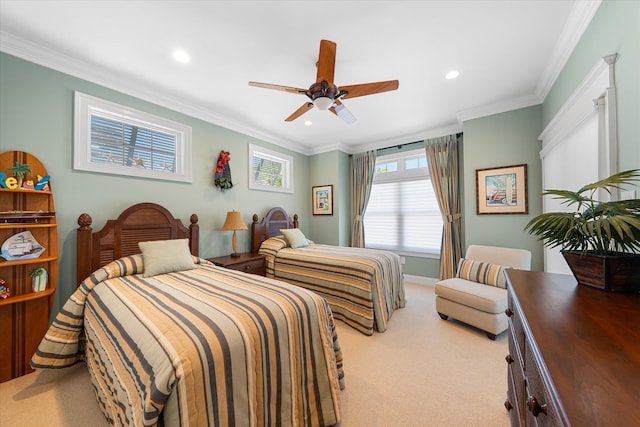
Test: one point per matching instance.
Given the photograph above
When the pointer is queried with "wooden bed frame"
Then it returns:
(120, 237)
(275, 220)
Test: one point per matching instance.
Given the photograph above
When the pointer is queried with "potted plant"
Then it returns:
(40, 278)
(599, 240)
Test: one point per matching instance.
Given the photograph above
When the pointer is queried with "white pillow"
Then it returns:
(166, 256)
(295, 238)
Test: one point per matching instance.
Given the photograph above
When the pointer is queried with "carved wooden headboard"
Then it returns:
(120, 237)
(275, 220)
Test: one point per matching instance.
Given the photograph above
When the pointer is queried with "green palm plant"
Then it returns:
(602, 228)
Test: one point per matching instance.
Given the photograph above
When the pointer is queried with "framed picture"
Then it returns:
(322, 197)
(502, 190)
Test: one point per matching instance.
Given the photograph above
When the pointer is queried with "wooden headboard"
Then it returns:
(275, 220)
(120, 237)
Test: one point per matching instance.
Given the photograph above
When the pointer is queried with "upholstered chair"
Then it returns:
(478, 295)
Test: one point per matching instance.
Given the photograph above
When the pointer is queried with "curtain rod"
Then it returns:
(399, 146)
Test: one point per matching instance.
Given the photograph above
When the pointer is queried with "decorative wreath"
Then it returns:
(223, 171)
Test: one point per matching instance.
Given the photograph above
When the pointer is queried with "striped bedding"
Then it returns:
(201, 347)
(363, 286)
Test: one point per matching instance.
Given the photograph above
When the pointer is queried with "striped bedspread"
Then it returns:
(201, 347)
(363, 286)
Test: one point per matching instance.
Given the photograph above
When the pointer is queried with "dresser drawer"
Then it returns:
(539, 409)
(515, 323)
(511, 403)
(516, 378)
(247, 262)
(254, 266)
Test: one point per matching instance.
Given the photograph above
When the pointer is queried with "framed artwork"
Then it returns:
(502, 190)
(322, 197)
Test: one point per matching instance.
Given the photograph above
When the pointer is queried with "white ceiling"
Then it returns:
(508, 54)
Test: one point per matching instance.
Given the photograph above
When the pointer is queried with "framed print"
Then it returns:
(322, 199)
(502, 190)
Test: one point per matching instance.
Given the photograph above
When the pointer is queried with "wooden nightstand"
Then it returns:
(247, 262)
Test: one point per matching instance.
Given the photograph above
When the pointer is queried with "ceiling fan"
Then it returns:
(324, 94)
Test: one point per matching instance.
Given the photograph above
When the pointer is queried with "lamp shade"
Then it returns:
(233, 222)
(323, 102)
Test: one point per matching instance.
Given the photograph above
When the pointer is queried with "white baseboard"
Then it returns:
(421, 280)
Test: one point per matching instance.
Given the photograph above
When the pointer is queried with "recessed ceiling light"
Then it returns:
(308, 123)
(452, 74)
(181, 56)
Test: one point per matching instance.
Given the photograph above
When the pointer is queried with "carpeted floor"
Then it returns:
(421, 372)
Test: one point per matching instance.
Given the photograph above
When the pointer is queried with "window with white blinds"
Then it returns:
(270, 170)
(403, 214)
(115, 139)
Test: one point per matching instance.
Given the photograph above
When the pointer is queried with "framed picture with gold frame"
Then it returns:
(502, 190)
(322, 197)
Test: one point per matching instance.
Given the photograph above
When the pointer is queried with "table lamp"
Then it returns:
(234, 222)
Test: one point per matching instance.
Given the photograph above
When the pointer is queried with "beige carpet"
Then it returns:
(422, 372)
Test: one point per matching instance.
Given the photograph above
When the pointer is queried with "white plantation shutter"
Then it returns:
(403, 213)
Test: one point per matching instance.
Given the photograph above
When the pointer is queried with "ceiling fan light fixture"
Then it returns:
(323, 102)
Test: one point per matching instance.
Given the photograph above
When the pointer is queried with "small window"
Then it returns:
(112, 138)
(386, 167)
(270, 170)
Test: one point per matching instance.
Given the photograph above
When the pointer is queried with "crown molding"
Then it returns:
(58, 61)
(408, 138)
(579, 19)
(498, 107)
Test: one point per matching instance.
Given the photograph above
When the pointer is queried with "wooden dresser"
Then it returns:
(574, 353)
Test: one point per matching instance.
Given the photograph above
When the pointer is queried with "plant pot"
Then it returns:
(618, 272)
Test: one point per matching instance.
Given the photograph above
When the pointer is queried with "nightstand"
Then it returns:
(247, 262)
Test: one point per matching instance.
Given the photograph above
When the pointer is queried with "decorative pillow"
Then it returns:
(482, 272)
(166, 256)
(295, 238)
(273, 244)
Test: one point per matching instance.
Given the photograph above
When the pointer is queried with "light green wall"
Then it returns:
(343, 198)
(36, 115)
(501, 140)
(614, 29)
(324, 169)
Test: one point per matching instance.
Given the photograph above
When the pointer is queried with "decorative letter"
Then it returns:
(11, 182)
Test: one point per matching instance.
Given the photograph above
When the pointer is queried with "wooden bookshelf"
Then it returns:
(24, 315)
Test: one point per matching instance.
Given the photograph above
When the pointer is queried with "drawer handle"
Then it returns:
(534, 407)
(507, 405)
(508, 312)
(509, 359)
(247, 267)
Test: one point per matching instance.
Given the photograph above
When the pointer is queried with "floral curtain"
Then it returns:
(442, 156)
(363, 166)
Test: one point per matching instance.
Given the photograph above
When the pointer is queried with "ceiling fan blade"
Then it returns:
(341, 111)
(326, 61)
(289, 89)
(300, 111)
(369, 88)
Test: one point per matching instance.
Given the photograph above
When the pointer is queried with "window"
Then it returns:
(112, 138)
(403, 213)
(270, 170)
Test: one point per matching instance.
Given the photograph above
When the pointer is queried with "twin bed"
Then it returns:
(363, 286)
(170, 338)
